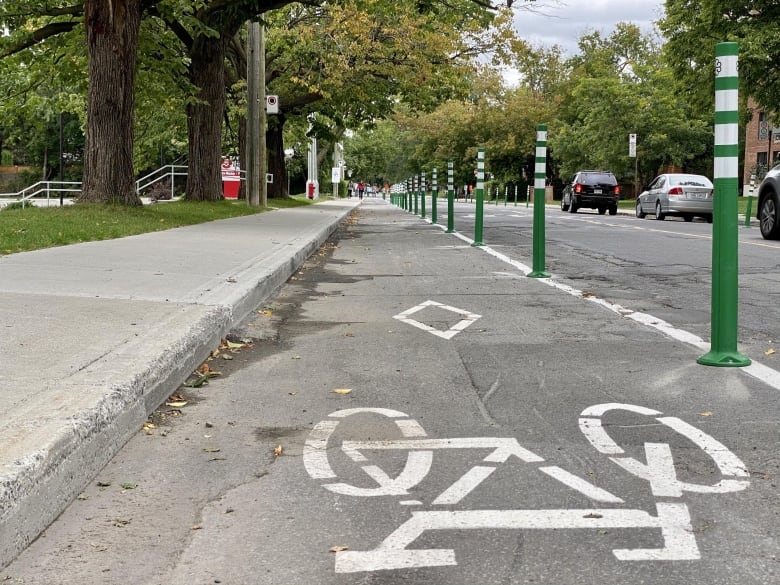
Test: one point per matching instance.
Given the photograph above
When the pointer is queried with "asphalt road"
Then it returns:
(414, 409)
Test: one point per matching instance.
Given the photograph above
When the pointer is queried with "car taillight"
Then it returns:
(676, 191)
(577, 188)
(616, 190)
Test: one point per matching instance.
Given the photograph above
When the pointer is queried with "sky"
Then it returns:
(563, 22)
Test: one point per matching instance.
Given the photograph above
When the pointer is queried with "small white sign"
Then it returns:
(335, 174)
(632, 145)
(272, 104)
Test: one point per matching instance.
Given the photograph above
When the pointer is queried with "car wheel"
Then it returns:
(658, 214)
(770, 222)
(572, 205)
(602, 210)
(639, 213)
(613, 209)
(564, 207)
(687, 217)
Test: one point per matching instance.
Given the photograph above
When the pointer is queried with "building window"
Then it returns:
(761, 164)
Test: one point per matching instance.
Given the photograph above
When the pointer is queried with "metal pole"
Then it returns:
(450, 197)
(540, 181)
(479, 211)
(261, 130)
(723, 350)
(253, 117)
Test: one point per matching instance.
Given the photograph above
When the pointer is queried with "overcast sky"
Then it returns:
(563, 22)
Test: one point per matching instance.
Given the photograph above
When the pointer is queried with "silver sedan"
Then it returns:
(677, 194)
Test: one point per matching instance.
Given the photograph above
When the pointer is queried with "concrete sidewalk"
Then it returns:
(95, 336)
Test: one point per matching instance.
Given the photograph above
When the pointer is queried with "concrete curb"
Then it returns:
(112, 398)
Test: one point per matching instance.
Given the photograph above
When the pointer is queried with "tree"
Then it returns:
(693, 28)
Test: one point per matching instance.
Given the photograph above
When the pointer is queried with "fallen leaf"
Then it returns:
(212, 449)
(296, 357)
(278, 450)
(266, 312)
(338, 548)
(103, 483)
(770, 351)
(196, 527)
(177, 404)
(204, 368)
(234, 345)
(128, 485)
(708, 413)
(119, 522)
(593, 515)
(342, 391)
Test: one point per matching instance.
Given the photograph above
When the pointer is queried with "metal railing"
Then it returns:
(161, 174)
(59, 190)
(51, 189)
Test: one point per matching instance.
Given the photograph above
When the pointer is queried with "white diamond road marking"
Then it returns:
(468, 319)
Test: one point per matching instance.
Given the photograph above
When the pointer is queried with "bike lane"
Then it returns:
(439, 418)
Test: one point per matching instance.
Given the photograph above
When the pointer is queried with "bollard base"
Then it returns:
(538, 274)
(478, 243)
(724, 359)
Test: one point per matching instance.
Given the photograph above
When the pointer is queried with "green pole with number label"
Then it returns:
(725, 233)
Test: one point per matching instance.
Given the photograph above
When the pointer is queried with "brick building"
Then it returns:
(762, 144)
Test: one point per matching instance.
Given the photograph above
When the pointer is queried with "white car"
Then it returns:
(679, 194)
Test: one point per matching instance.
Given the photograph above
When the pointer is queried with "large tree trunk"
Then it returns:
(112, 43)
(276, 163)
(204, 118)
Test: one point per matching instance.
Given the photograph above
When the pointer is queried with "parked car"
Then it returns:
(679, 194)
(591, 189)
(768, 212)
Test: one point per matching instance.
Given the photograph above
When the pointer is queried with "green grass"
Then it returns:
(34, 228)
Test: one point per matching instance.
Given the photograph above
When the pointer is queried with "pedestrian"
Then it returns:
(361, 187)
(350, 188)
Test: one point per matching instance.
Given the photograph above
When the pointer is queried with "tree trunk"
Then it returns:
(276, 162)
(204, 118)
(112, 44)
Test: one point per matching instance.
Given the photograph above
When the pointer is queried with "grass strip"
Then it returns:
(34, 228)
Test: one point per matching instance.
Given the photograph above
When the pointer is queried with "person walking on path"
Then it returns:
(361, 187)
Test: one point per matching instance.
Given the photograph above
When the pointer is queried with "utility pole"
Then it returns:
(253, 116)
(261, 131)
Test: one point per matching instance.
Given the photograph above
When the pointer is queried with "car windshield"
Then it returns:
(690, 181)
(597, 178)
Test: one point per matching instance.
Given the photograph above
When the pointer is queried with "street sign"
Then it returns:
(272, 104)
(632, 145)
(335, 174)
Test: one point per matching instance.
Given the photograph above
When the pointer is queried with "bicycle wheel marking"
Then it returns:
(672, 518)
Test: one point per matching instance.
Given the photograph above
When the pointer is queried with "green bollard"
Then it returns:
(422, 195)
(479, 211)
(450, 197)
(725, 278)
(748, 210)
(540, 180)
(434, 196)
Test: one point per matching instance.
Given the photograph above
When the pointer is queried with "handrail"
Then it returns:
(64, 187)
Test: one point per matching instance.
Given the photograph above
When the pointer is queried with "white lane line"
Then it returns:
(756, 370)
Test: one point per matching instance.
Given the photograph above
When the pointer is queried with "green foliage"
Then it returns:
(693, 28)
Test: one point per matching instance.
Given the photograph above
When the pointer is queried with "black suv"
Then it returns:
(592, 189)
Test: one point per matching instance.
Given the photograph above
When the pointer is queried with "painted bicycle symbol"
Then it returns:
(672, 517)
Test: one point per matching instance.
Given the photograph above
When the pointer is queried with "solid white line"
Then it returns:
(756, 370)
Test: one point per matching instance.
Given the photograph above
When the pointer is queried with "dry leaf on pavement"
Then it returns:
(338, 548)
(342, 391)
